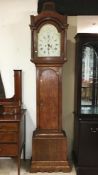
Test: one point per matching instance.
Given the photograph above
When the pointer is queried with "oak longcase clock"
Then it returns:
(48, 52)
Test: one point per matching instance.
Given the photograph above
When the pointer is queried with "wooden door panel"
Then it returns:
(48, 99)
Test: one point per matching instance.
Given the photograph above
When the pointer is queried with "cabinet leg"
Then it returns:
(24, 149)
(24, 146)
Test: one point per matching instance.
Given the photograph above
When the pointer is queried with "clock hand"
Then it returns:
(49, 46)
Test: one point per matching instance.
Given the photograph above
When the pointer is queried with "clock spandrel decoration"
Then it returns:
(48, 53)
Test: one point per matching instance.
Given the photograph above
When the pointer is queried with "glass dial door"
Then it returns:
(49, 41)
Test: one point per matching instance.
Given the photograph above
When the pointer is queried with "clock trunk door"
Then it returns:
(48, 104)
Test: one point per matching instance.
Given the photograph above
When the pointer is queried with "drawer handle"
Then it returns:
(94, 130)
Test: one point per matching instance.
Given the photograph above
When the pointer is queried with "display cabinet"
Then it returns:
(85, 149)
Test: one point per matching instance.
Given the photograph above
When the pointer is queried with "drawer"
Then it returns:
(5, 126)
(8, 137)
(8, 150)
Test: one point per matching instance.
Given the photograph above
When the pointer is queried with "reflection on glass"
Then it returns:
(89, 84)
(89, 110)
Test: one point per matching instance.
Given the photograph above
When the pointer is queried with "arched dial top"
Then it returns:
(49, 41)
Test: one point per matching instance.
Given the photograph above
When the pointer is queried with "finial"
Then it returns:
(48, 6)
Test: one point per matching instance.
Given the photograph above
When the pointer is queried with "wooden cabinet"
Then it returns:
(12, 123)
(88, 143)
(86, 105)
(12, 136)
(48, 52)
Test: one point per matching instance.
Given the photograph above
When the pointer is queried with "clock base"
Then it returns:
(50, 166)
(49, 152)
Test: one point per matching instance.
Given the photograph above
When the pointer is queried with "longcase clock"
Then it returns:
(48, 52)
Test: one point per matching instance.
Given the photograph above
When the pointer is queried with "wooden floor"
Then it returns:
(9, 167)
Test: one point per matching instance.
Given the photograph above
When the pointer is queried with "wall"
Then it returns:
(15, 46)
(68, 82)
(87, 24)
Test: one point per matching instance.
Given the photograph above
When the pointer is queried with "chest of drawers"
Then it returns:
(12, 136)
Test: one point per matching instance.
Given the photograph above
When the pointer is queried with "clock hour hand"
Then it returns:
(49, 46)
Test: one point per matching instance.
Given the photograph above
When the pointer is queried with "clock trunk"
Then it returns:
(49, 142)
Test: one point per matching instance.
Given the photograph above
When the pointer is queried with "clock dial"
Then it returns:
(49, 41)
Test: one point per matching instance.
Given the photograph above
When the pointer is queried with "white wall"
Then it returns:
(68, 82)
(15, 46)
(87, 24)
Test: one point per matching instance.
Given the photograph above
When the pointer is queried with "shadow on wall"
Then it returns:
(68, 94)
(30, 126)
(2, 91)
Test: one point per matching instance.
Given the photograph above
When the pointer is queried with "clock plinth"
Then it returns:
(48, 53)
(49, 152)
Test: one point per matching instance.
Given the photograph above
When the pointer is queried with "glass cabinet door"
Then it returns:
(89, 78)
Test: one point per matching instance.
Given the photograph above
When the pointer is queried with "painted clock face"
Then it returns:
(49, 41)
